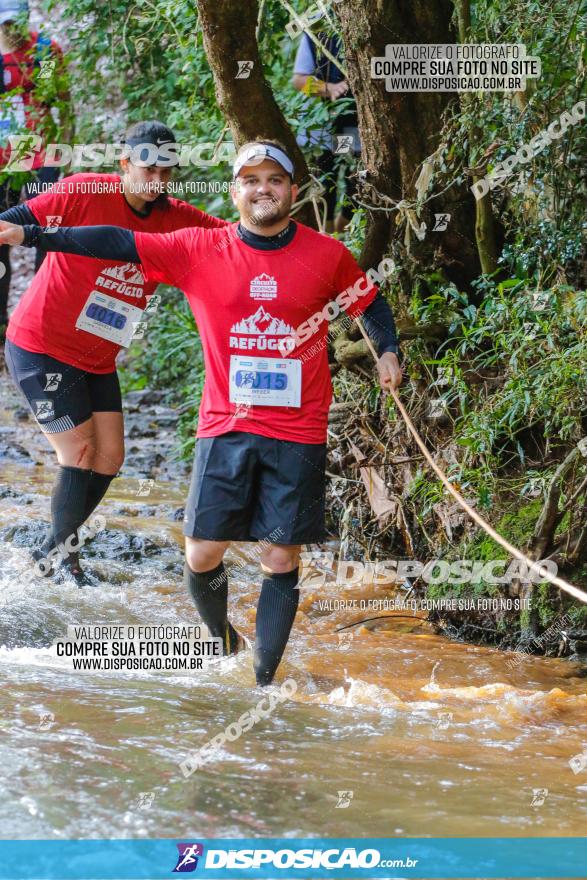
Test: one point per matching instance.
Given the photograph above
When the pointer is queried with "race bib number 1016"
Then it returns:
(109, 318)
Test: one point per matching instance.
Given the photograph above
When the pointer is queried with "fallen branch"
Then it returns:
(550, 517)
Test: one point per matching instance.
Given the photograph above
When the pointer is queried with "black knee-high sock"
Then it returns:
(68, 503)
(97, 487)
(276, 611)
(209, 590)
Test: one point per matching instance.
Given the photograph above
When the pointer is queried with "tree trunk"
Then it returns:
(248, 105)
(484, 221)
(400, 130)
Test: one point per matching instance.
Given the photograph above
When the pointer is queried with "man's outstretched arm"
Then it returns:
(377, 317)
(102, 242)
(164, 257)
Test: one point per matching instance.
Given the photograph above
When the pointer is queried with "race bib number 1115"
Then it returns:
(265, 381)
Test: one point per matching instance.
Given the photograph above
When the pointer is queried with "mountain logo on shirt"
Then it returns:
(262, 323)
(263, 287)
(128, 273)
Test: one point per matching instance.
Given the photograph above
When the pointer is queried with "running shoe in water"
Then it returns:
(70, 570)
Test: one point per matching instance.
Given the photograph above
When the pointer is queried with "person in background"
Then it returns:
(317, 76)
(33, 80)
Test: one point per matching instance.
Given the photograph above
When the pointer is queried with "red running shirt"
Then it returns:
(45, 319)
(245, 301)
(19, 108)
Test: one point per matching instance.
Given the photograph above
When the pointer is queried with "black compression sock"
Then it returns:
(97, 487)
(209, 590)
(276, 611)
(68, 503)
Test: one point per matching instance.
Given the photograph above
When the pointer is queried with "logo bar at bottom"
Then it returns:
(308, 858)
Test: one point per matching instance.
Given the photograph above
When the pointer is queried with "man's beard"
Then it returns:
(267, 213)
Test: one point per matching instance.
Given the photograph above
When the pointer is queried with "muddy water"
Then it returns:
(433, 738)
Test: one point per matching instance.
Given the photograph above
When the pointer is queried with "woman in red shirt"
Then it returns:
(77, 313)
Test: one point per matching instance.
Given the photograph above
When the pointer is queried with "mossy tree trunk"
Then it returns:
(484, 220)
(400, 130)
(248, 104)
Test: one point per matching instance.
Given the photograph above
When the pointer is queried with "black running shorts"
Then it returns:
(250, 488)
(60, 396)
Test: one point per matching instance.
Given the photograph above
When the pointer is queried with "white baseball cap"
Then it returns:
(256, 153)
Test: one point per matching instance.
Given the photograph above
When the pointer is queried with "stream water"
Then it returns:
(432, 737)
(424, 736)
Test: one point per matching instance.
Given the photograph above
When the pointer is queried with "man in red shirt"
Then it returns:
(262, 292)
(32, 80)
